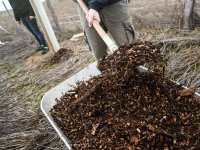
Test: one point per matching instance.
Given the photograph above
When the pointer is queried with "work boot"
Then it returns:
(45, 49)
(39, 48)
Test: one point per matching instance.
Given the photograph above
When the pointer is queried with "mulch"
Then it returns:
(124, 109)
(62, 54)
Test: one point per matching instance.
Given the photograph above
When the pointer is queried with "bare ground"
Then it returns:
(25, 75)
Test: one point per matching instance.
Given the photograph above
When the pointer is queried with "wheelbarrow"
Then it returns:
(49, 99)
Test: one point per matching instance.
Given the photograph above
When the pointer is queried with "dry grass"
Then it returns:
(159, 13)
(184, 66)
(24, 76)
(156, 14)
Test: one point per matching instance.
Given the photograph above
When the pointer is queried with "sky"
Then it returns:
(2, 8)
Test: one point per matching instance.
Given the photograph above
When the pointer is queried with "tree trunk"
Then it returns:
(55, 19)
(189, 14)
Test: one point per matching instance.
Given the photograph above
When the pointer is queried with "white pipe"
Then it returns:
(46, 23)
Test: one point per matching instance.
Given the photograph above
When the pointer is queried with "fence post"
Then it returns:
(189, 14)
(55, 19)
(46, 26)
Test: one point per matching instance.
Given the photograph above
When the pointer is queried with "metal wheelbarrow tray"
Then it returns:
(49, 99)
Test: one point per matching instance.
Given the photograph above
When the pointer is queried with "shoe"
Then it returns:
(39, 48)
(45, 50)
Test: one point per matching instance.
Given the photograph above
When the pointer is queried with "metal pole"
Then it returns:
(55, 18)
(15, 25)
(6, 8)
(46, 26)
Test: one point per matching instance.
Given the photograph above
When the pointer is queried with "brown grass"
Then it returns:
(26, 80)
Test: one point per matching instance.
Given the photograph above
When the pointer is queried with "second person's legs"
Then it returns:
(32, 26)
(26, 23)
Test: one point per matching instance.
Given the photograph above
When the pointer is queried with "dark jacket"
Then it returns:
(99, 4)
(21, 9)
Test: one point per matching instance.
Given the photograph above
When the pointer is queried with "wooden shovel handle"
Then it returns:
(109, 42)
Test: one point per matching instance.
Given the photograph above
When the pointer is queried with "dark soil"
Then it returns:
(62, 54)
(123, 109)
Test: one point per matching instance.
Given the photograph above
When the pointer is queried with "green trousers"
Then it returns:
(116, 20)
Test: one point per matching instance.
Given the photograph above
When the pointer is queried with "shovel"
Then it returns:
(108, 41)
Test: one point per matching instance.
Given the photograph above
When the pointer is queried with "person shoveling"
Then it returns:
(98, 40)
(112, 16)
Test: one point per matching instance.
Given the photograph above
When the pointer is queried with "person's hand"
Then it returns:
(31, 17)
(92, 15)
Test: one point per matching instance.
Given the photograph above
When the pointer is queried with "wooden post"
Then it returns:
(46, 26)
(55, 19)
(189, 14)
(179, 14)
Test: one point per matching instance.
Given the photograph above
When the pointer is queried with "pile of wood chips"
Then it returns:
(123, 109)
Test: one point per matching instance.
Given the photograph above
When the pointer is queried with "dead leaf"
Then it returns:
(94, 128)
(151, 128)
(187, 92)
(135, 140)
